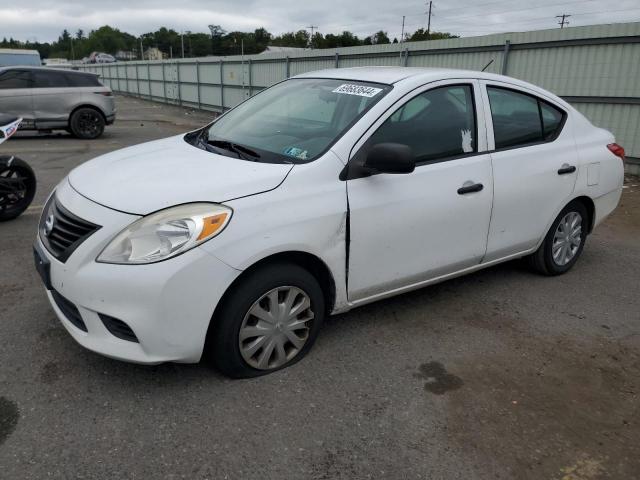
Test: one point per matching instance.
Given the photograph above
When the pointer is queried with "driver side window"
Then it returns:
(437, 124)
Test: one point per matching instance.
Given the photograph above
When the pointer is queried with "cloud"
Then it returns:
(44, 20)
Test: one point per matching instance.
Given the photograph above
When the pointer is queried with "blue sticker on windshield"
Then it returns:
(295, 152)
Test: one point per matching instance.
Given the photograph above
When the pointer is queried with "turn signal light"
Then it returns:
(211, 224)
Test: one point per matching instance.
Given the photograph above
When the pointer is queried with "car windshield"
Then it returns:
(292, 122)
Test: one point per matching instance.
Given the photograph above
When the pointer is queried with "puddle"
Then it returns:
(9, 415)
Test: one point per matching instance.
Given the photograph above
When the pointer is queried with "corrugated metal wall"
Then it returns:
(596, 68)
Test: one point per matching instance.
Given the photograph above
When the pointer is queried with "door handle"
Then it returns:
(565, 169)
(469, 187)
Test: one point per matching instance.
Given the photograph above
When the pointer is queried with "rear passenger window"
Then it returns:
(82, 80)
(521, 119)
(551, 120)
(44, 79)
(15, 79)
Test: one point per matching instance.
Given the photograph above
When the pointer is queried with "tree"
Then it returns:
(299, 39)
(216, 39)
(218, 42)
(380, 38)
(421, 34)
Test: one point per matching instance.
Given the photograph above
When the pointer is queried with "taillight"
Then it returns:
(106, 94)
(617, 150)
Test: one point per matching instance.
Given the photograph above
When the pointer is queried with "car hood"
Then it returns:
(155, 175)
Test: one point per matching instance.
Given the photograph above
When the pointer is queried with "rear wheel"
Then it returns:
(564, 241)
(269, 321)
(17, 187)
(86, 123)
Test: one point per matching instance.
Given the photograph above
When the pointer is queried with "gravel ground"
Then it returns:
(499, 374)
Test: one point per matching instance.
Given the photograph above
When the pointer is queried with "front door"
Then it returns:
(406, 229)
(15, 95)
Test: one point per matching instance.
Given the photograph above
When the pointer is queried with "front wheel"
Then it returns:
(86, 123)
(564, 241)
(269, 321)
(17, 187)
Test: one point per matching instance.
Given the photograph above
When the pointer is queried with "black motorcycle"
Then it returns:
(17, 180)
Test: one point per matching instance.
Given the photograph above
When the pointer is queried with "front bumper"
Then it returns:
(168, 305)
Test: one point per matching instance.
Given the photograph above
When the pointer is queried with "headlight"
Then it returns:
(166, 233)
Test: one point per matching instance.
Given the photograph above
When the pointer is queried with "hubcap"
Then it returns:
(276, 328)
(89, 123)
(567, 238)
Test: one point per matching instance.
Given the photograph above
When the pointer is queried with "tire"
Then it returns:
(543, 260)
(86, 123)
(255, 293)
(19, 187)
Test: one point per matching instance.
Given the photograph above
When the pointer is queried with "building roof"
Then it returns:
(48, 69)
(276, 49)
(19, 51)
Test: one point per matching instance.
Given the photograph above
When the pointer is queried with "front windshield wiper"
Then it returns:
(243, 152)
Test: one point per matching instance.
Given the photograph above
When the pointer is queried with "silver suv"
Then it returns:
(48, 99)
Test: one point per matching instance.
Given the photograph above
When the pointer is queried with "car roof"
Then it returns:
(391, 75)
(416, 75)
(388, 75)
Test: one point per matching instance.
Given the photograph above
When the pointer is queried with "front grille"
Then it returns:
(61, 231)
(69, 310)
(118, 328)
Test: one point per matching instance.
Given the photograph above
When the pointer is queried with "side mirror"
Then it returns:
(390, 158)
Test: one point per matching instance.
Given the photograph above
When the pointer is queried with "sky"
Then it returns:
(43, 20)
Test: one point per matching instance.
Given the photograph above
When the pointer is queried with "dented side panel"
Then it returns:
(273, 222)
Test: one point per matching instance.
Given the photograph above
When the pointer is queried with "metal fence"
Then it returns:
(596, 68)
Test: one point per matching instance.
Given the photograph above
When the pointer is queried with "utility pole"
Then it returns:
(242, 62)
(402, 37)
(141, 50)
(429, 20)
(312, 28)
(182, 42)
(563, 20)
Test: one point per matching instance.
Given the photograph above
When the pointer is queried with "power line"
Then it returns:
(468, 7)
(475, 16)
(507, 12)
(454, 20)
(546, 17)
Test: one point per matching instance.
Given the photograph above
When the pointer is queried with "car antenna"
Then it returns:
(487, 65)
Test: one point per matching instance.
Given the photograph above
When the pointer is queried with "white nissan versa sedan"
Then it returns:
(322, 193)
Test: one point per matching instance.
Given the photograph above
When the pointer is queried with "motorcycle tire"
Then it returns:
(17, 187)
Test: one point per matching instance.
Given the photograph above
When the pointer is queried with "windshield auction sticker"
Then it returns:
(360, 90)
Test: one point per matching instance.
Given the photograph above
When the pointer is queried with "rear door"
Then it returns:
(534, 162)
(15, 95)
(52, 98)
